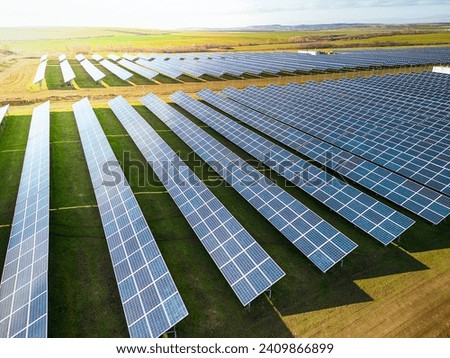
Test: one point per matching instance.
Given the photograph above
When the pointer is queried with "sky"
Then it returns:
(175, 14)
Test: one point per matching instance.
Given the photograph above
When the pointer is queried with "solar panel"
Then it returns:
(3, 112)
(320, 242)
(275, 62)
(40, 73)
(97, 57)
(23, 288)
(129, 57)
(62, 57)
(80, 57)
(418, 199)
(247, 268)
(93, 71)
(157, 67)
(117, 70)
(144, 72)
(350, 203)
(114, 57)
(67, 72)
(43, 58)
(150, 299)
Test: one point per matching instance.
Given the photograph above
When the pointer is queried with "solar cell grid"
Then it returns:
(252, 185)
(302, 108)
(329, 190)
(150, 299)
(23, 288)
(347, 164)
(114, 57)
(80, 57)
(97, 57)
(219, 232)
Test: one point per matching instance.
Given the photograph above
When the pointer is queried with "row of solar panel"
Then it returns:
(244, 264)
(334, 121)
(357, 207)
(150, 299)
(314, 237)
(23, 287)
(419, 199)
(238, 64)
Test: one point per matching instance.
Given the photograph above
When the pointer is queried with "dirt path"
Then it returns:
(18, 91)
(414, 304)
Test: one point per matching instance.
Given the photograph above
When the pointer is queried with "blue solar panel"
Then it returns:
(279, 208)
(23, 288)
(368, 174)
(373, 135)
(331, 191)
(150, 299)
(210, 220)
(238, 64)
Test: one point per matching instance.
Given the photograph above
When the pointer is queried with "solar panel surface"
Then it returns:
(376, 219)
(24, 283)
(150, 299)
(247, 268)
(320, 242)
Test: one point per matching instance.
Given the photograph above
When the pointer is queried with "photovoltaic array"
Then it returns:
(248, 269)
(320, 242)
(144, 72)
(370, 215)
(308, 137)
(24, 286)
(150, 299)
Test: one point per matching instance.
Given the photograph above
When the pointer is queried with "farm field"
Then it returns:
(402, 290)
(106, 40)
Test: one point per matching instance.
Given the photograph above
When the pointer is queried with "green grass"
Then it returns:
(83, 297)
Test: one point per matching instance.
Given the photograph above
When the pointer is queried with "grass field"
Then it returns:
(105, 40)
(84, 299)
